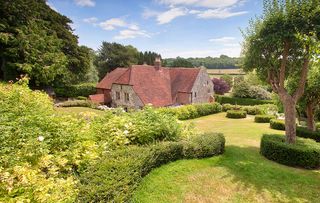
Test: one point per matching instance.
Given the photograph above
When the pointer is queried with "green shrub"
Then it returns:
(81, 98)
(252, 110)
(263, 118)
(236, 114)
(74, 91)
(118, 173)
(305, 153)
(306, 133)
(192, 111)
(240, 101)
(205, 145)
(77, 103)
(277, 124)
(318, 126)
(245, 90)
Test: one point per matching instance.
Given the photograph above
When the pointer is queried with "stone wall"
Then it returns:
(202, 89)
(134, 100)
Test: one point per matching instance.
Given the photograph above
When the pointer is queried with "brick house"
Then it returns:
(139, 85)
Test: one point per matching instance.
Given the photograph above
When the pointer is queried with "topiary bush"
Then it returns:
(263, 118)
(305, 153)
(236, 114)
(277, 124)
(117, 174)
(240, 101)
(192, 111)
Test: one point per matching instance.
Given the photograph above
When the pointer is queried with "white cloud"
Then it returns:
(170, 15)
(91, 20)
(201, 3)
(220, 13)
(112, 23)
(52, 6)
(222, 39)
(147, 13)
(131, 34)
(89, 3)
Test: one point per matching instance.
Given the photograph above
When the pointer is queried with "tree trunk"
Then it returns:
(310, 117)
(290, 120)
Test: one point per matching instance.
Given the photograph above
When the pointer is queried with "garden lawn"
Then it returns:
(241, 174)
(77, 110)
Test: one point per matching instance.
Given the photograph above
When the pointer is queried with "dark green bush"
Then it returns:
(305, 153)
(116, 175)
(74, 91)
(263, 118)
(277, 124)
(236, 114)
(76, 103)
(306, 133)
(240, 101)
(206, 145)
(318, 126)
(193, 110)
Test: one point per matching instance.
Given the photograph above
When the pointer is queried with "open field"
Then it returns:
(225, 71)
(239, 175)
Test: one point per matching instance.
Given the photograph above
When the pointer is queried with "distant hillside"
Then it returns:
(222, 62)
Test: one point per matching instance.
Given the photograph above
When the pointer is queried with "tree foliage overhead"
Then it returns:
(280, 45)
(38, 41)
(222, 62)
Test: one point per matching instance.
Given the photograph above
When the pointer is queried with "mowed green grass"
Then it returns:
(77, 110)
(241, 174)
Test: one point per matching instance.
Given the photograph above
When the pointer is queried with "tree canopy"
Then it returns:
(280, 45)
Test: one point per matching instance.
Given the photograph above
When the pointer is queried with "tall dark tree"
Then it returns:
(280, 45)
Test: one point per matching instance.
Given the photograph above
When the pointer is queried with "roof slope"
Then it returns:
(107, 81)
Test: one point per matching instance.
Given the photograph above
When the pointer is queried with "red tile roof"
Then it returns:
(158, 87)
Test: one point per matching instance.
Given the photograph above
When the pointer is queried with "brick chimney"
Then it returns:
(157, 63)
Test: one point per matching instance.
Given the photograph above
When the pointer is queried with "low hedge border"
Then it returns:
(263, 118)
(252, 110)
(305, 153)
(240, 101)
(116, 175)
(236, 114)
(301, 131)
(193, 111)
(76, 103)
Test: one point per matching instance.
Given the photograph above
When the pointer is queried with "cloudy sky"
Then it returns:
(186, 28)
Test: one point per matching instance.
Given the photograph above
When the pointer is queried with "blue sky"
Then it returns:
(186, 28)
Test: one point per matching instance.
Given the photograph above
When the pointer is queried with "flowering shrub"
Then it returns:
(244, 90)
(220, 86)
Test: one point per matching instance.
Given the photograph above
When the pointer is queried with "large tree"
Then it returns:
(280, 45)
(36, 40)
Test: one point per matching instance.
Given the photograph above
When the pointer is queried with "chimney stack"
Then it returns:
(157, 63)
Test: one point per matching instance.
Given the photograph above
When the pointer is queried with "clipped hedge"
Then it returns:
(117, 174)
(74, 91)
(263, 118)
(252, 110)
(236, 114)
(76, 103)
(305, 153)
(277, 124)
(241, 101)
(193, 110)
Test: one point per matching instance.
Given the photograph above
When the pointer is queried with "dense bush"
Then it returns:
(74, 91)
(305, 153)
(277, 124)
(76, 103)
(240, 101)
(117, 174)
(318, 126)
(252, 110)
(228, 79)
(220, 86)
(236, 114)
(192, 111)
(245, 90)
(263, 118)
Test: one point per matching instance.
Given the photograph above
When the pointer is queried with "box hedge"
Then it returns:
(76, 103)
(240, 101)
(117, 174)
(277, 124)
(252, 110)
(74, 91)
(236, 114)
(263, 118)
(304, 153)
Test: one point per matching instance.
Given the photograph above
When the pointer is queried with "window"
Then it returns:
(118, 95)
(126, 97)
(195, 94)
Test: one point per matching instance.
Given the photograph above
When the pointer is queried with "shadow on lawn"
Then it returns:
(251, 169)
